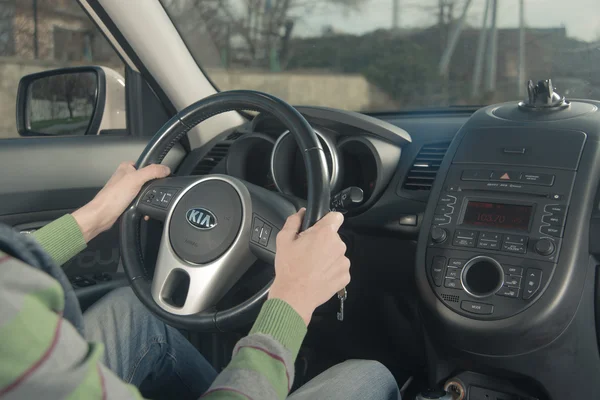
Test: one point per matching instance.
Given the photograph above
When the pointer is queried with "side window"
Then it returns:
(39, 36)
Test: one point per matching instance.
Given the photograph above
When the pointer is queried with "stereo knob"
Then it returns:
(544, 247)
(438, 235)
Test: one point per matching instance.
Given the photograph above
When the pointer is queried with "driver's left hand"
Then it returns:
(103, 211)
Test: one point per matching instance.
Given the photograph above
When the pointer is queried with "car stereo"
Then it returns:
(496, 237)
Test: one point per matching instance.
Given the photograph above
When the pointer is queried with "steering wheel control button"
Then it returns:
(512, 270)
(464, 238)
(452, 283)
(544, 247)
(482, 276)
(477, 308)
(264, 235)
(509, 292)
(200, 239)
(453, 273)
(537, 179)
(512, 281)
(490, 241)
(438, 235)
(475, 175)
(150, 196)
(256, 229)
(533, 280)
(550, 230)
(437, 270)
(515, 244)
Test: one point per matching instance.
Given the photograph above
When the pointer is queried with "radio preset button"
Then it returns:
(514, 248)
(464, 238)
(489, 240)
(515, 239)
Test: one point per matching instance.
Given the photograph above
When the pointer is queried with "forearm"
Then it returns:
(62, 239)
(262, 366)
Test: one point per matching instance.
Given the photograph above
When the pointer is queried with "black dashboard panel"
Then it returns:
(547, 169)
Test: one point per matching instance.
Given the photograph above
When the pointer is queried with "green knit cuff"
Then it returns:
(280, 321)
(62, 239)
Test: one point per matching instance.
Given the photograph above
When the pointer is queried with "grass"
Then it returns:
(38, 125)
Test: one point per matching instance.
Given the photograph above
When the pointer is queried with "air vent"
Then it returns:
(425, 167)
(450, 298)
(211, 159)
(235, 135)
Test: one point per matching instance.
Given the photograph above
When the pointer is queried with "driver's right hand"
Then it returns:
(311, 266)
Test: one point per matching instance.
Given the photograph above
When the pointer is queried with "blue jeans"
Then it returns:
(157, 359)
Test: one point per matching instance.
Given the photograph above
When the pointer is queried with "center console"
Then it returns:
(503, 265)
(496, 236)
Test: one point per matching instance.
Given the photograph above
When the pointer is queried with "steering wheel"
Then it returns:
(215, 226)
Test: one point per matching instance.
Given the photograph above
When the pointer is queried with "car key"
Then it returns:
(342, 294)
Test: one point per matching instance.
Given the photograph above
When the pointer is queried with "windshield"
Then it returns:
(384, 55)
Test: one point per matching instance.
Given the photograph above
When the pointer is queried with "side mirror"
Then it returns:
(59, 102)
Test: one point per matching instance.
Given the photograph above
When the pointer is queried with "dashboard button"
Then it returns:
(438, 235)
(447, 200)
(453, 283)
(453, 273)
(464, 238)
(537, 179)
(477, 308)
(553, 219)
(515, 239)
(505, 176)
(508, 292)
(443, 209)
(512, 281)
(441, 220)
(437, 270)
(555, 209)
(533, 280)
(475, 175)
(544, 247)
(456, 263)
(556, 231)
(512, 270)
(514, 248)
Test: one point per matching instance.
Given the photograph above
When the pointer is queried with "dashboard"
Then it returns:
(502, 205)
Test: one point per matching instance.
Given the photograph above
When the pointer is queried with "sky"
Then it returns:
(580, 17)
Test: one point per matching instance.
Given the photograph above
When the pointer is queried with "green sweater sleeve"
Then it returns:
(62, 239)
(262, 366)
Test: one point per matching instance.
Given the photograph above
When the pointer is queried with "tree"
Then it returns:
(253, 34)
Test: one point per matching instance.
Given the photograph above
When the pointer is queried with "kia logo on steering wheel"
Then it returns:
(201, 218)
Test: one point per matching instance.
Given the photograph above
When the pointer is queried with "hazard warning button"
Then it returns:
(505, 176)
